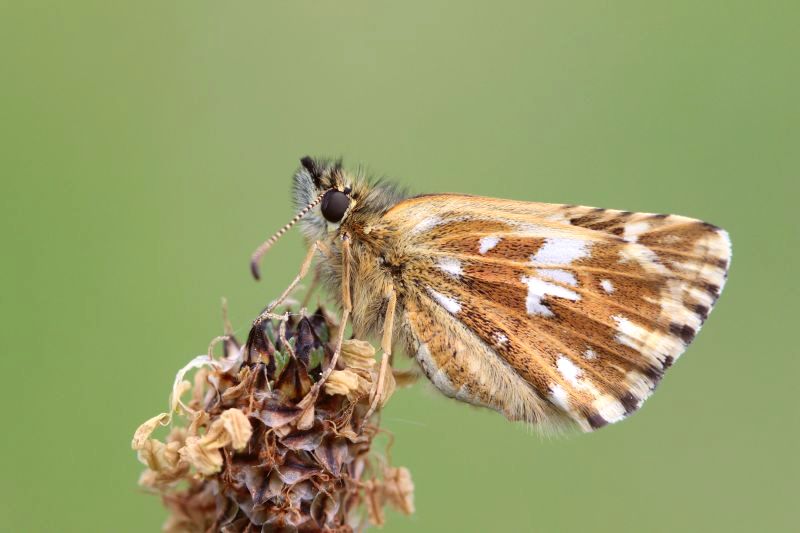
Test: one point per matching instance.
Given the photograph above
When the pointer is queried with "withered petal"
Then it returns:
(399, 489)
(304, 440)
(238, 427)
(144, 431)
(259, 347)
(236, 391)
(291, 473)
(306, 419)
(260, 484)
(206, 459)
(237, 526)
(300, 492)
(294, 382)
(332, 453)
(358, 354)
(276, 413)
(324, 509)
(305, 341)
(346, 383)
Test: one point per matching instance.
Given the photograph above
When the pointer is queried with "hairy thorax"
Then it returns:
(376, 268)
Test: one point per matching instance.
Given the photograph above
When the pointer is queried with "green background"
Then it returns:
(146, 149)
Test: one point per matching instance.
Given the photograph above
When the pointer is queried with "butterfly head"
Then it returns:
(324, 183)
(329, 198)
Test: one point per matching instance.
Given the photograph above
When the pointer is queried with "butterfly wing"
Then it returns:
(548, 312)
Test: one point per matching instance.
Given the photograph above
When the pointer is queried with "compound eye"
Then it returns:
(334, 205)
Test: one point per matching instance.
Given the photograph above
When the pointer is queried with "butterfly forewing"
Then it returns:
(544, 311)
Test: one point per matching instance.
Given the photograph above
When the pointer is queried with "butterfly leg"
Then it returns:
(324, 250)
(347, 307)
(311, 288)
(304, 268)
(386, 346)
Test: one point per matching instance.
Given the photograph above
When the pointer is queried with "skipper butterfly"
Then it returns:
(551, 314)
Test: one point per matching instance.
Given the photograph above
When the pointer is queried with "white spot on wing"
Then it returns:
(559, 397)
(568, 370)
(451, 304)
(538, 289)
(640, 386)
(556, 274)
(634, 229)
(558, 217)
(589, 354)
(450, 265)
(609, 408)
(606, 405)
(487, 243)
(500, 338)
(722, 246)
(607, 286)
(630, 334)
(644, 256)
(561, 251)
(650, 343)
(701, 297)
(673, 306)
(426, 224)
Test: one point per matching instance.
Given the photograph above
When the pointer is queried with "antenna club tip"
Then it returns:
(255, 270)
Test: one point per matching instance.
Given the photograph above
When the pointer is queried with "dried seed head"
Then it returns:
(268, 446)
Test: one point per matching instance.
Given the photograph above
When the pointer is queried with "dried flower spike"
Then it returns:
(263, 448)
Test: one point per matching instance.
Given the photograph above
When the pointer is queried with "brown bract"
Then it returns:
(265, 445)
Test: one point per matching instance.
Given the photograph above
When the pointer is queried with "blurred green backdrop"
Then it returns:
(146, 149)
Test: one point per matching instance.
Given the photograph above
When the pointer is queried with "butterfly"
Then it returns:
(550, 314)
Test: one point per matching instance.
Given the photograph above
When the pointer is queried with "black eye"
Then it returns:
(334, 205)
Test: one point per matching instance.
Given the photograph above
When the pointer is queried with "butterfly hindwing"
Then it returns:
(584, 308)
(464, 368)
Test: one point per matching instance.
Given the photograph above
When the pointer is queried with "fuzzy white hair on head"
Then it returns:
(316, 175)
(313, 225)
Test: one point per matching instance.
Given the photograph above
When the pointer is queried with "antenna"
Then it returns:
(255, 259)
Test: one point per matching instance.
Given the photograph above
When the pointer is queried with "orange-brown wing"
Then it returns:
(548, 311)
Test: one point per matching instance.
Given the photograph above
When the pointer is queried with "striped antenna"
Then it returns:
(255, 259)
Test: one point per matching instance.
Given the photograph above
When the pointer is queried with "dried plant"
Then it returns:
(274, 439)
